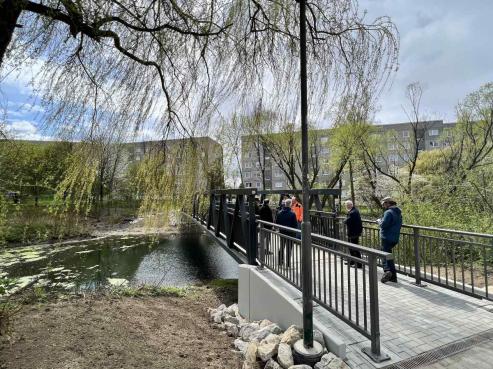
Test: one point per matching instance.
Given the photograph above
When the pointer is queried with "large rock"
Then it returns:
(291, 335)
(248, 365)
(268, 347)
(331, 361)
(231, 329)
(284, 355)
(232, 310)
(221, 307)
(231, 319)
(272, 338)
(272, 364)
(264, 323)
(218, 317)
(240, 345)
(248, 330)
(251, 352)
(264, 332)
(267, 351)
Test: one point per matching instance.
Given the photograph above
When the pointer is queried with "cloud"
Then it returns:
(25, 130)
(444, 45)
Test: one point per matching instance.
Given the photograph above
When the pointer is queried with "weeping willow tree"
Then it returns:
(170, 67)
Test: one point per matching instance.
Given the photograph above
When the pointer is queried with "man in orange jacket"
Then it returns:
(297, 208)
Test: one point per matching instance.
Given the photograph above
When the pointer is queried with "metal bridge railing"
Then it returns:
(457, 260)
(350, 293)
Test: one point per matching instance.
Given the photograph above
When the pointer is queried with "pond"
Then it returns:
(175, 260)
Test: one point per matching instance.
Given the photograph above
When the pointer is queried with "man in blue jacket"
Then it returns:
(390, 230)
(286, 218)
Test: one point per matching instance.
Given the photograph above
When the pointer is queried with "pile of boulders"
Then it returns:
(263, 344)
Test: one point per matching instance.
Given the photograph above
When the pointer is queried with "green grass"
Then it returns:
(148, 291)
(223, 283)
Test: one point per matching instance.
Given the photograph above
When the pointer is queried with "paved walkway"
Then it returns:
(413, 321)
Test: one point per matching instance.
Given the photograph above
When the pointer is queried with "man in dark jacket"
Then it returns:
(286, 218)
(265, 214)
(354, 227)
(390, 230)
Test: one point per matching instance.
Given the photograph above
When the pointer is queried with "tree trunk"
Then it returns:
(10, 11)
(351, 182)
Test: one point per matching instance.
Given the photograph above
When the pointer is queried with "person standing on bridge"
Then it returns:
(354, 228)
(390, 230)
(286, 218)
(297, 209)
(265, 214)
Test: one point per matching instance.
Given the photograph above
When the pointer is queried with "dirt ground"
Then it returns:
(126, 332)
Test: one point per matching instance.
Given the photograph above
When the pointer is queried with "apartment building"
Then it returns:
(397, 144)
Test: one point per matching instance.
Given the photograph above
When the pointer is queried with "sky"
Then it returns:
(444, 44)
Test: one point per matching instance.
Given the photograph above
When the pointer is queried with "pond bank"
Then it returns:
(115, 331)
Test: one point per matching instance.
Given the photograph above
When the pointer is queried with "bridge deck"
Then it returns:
(413, 321)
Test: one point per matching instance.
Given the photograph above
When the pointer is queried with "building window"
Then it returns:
(324, 151)
(257, 184)
(257, 165)
(324, 139)
(391, 146)
(278, 185)
(278, 173)
(248, 184)
(248, 175)
(434, 144)
(433, 132)
(259, 175)
(405, 134)
(248, 165)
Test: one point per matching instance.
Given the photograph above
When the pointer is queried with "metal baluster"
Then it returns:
(356, 294)
(342, 283)
(330, 279)
(365, 310)
(485, 271)
(462, 267)
(325, 276)
(472, 267)
(349, 287)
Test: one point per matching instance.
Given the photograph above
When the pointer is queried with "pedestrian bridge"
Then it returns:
(441, 304)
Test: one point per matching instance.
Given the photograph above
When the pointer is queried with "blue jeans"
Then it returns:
(389, 265)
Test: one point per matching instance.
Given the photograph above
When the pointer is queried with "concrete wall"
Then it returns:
(264, 295)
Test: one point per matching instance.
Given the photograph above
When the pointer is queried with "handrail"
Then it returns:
(366, 250)
(426, 228)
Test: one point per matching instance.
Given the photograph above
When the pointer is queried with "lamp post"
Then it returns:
(305, 350)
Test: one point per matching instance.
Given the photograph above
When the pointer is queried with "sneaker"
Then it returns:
(387, 277)
(393, 279)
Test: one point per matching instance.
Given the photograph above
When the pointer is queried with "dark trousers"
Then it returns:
(288, 245)
(355, 253)
(389, 265)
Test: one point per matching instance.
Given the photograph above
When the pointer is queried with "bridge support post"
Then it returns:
(374, 352)
(417, 259)
(252, 232)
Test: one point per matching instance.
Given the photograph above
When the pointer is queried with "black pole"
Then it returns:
(306, 227)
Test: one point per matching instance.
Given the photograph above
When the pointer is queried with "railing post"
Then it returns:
(336, 227)
(211, 210)
(252, 231)
(262, 237)
(374, 351)
(417, 258)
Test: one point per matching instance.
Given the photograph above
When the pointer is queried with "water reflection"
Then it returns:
(179, 260)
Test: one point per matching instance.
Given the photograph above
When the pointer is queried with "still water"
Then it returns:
(178, 260)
